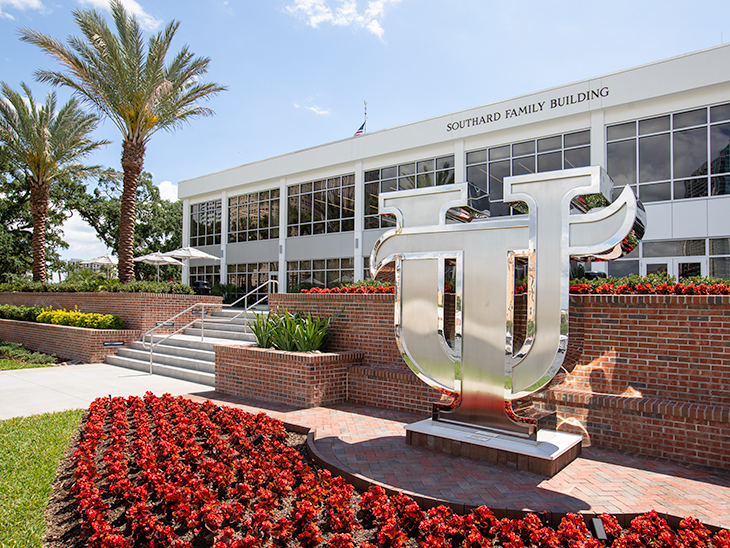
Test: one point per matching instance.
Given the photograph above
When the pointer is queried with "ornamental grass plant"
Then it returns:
(291, 332)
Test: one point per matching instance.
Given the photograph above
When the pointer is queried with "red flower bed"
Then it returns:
(170, 472)
(647, 289)
(352, 289)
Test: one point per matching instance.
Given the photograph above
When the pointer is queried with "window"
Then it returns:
(205, 224)
(420, 174)
(319, 273)
(322, 207)
(720, 258)
(667, 157)
(250, 276)
(487, 168)
(209, 273)
(253, 216)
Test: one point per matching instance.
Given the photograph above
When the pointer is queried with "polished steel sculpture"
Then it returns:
(478, 367)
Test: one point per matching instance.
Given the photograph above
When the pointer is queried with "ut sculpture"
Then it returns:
(477, 367)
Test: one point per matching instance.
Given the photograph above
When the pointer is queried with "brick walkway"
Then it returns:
(371, 442)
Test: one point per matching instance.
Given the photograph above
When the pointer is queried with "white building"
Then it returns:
(311, 216)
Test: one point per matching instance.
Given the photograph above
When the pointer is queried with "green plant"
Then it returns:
(93, 284)
(18, 353)
(227, 291)
(291, 332)
(22, 313)
(263, 328)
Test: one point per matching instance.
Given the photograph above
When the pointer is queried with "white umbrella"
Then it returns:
(157, 259)
(190, 253)
(107, 260)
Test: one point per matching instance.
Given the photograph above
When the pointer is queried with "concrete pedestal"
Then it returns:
(550, 453)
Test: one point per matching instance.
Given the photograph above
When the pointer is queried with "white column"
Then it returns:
(459, 162)
(283, 217)
(359, 220)
(598, 139)
(185, 276)
(224, 237)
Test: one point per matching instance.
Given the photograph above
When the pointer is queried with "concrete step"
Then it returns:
(176, 350)
(207, 365)
(228, 336)
(191, 375)
(222, 326)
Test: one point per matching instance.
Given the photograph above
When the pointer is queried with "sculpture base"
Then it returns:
(550, 453)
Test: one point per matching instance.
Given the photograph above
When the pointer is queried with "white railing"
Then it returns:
(202, 306)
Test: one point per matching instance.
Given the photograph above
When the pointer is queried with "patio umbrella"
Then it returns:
(107, 260)
(190, 253)
(157, 259)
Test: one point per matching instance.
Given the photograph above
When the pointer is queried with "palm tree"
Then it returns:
(45, 145)
(133, 86)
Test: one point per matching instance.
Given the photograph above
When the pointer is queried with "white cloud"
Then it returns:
(82, 240)
(168, 191)
(146, 21)
(21, 5)
(316, 12)
(317, 110)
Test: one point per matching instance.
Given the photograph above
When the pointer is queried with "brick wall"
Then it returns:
(68, 343)
(364, 323)
(137, 310)
(648, 374)
(643, 373)
(301, 379)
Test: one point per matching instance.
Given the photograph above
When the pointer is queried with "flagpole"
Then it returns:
(366, 117)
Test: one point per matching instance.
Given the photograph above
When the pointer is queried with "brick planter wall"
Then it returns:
(297, 378)
(648, 374)
(137, 310)
(644, 373)
(69, 343)
(364, 323)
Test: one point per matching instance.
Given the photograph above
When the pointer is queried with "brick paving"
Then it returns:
(371, 442)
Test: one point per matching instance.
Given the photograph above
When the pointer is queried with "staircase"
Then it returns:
(188, 354)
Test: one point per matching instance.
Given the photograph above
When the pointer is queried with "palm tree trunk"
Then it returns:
(39, 211)
(132, 162)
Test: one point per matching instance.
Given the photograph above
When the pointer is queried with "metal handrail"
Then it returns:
(202, 317)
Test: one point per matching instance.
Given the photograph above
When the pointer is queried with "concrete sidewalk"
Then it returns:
(25, 392)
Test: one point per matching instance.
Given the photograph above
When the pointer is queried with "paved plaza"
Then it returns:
(371, 442)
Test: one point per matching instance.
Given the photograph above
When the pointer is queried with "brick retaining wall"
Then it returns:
(297, 378)
(137, 310)
(644, 373)
(68, 343)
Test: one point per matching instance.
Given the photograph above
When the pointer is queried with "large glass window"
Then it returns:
(668, 156)
(249, 277)
(487, 168)
(322, 207)
(421, 174)
(253, 216)
(205, 223)
(319, 273)
(208, 273)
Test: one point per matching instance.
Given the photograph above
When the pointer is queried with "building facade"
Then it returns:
(311, 217)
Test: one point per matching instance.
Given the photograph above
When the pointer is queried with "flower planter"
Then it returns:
(304, 379)
(79, 344)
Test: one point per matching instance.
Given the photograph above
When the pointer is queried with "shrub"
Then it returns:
(22, 313)
(658, 284)
(363, 286)
(95, 284)
(79, 319)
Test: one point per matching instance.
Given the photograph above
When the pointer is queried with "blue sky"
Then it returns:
(298, 71)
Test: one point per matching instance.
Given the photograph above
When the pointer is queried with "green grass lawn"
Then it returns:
(30, 450)
(6, 365)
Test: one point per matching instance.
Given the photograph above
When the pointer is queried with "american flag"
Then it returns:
(361, 130)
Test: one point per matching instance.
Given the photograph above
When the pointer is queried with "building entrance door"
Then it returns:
(681, 267)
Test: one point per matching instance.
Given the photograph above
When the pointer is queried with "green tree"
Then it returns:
(133, 86)
(46, 145)
(159, 221)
